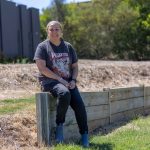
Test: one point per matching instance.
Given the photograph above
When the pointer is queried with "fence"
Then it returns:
(102, 108)
(19, 30)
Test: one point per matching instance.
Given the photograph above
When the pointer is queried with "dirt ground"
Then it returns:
(18, 131)
(21, 80)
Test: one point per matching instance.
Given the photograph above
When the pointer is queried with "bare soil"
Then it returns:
(21, 80)
(18, 131)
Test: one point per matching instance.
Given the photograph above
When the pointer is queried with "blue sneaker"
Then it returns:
(59, 134)
(85, 140)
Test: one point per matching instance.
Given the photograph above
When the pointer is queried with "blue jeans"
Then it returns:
(68, 97)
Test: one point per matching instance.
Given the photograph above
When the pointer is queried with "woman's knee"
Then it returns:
(64, 96)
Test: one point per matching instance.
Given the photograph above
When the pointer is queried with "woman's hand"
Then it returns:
(64, 82)
(72, 84)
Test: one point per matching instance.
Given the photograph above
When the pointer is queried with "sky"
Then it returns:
(40, 3)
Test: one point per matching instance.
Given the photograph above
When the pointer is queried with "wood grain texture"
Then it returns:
(126, 93)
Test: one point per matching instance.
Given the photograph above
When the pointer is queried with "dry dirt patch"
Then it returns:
(20, 80)
(18, 131)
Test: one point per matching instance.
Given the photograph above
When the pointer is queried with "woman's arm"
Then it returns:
(41, 64)
(74, 75)
(74, 71)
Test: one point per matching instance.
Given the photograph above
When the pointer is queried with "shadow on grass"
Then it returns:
(104, 130)
(104, 146)
(92, 145)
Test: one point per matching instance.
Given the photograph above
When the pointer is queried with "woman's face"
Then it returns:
(54, 32)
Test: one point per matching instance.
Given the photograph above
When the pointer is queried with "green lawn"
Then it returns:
(132, 136)
(8, 106)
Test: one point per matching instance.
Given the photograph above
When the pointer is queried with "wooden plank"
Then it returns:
(147, 91)
(72, 131)
(43, 118)
(94, 98)
(97, 112)
(126, 93)
(95, 124)
(127, 115)
(147, 110)
(93, 113)
(128, 104)
(89, 98)
(147, 101)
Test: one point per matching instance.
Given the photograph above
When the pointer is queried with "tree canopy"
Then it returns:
(106, 29)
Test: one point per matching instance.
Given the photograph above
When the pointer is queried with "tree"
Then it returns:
(118, 29)
(142, 30)
(59, 10)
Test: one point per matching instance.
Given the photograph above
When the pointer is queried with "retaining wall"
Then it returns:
(102, 109)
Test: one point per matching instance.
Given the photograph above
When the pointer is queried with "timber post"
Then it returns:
(43, 107)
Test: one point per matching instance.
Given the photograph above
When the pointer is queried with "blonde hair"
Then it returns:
(53, 23)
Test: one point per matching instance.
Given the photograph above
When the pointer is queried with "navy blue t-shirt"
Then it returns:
(58, 59)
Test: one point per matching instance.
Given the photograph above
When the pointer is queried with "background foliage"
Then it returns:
(106, 29)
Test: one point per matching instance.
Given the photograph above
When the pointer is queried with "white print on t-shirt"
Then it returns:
(60, 64)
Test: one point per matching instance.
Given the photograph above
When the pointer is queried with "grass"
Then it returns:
(134, 135)
(8, 106)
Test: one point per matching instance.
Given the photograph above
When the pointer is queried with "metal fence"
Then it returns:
(19, 30)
